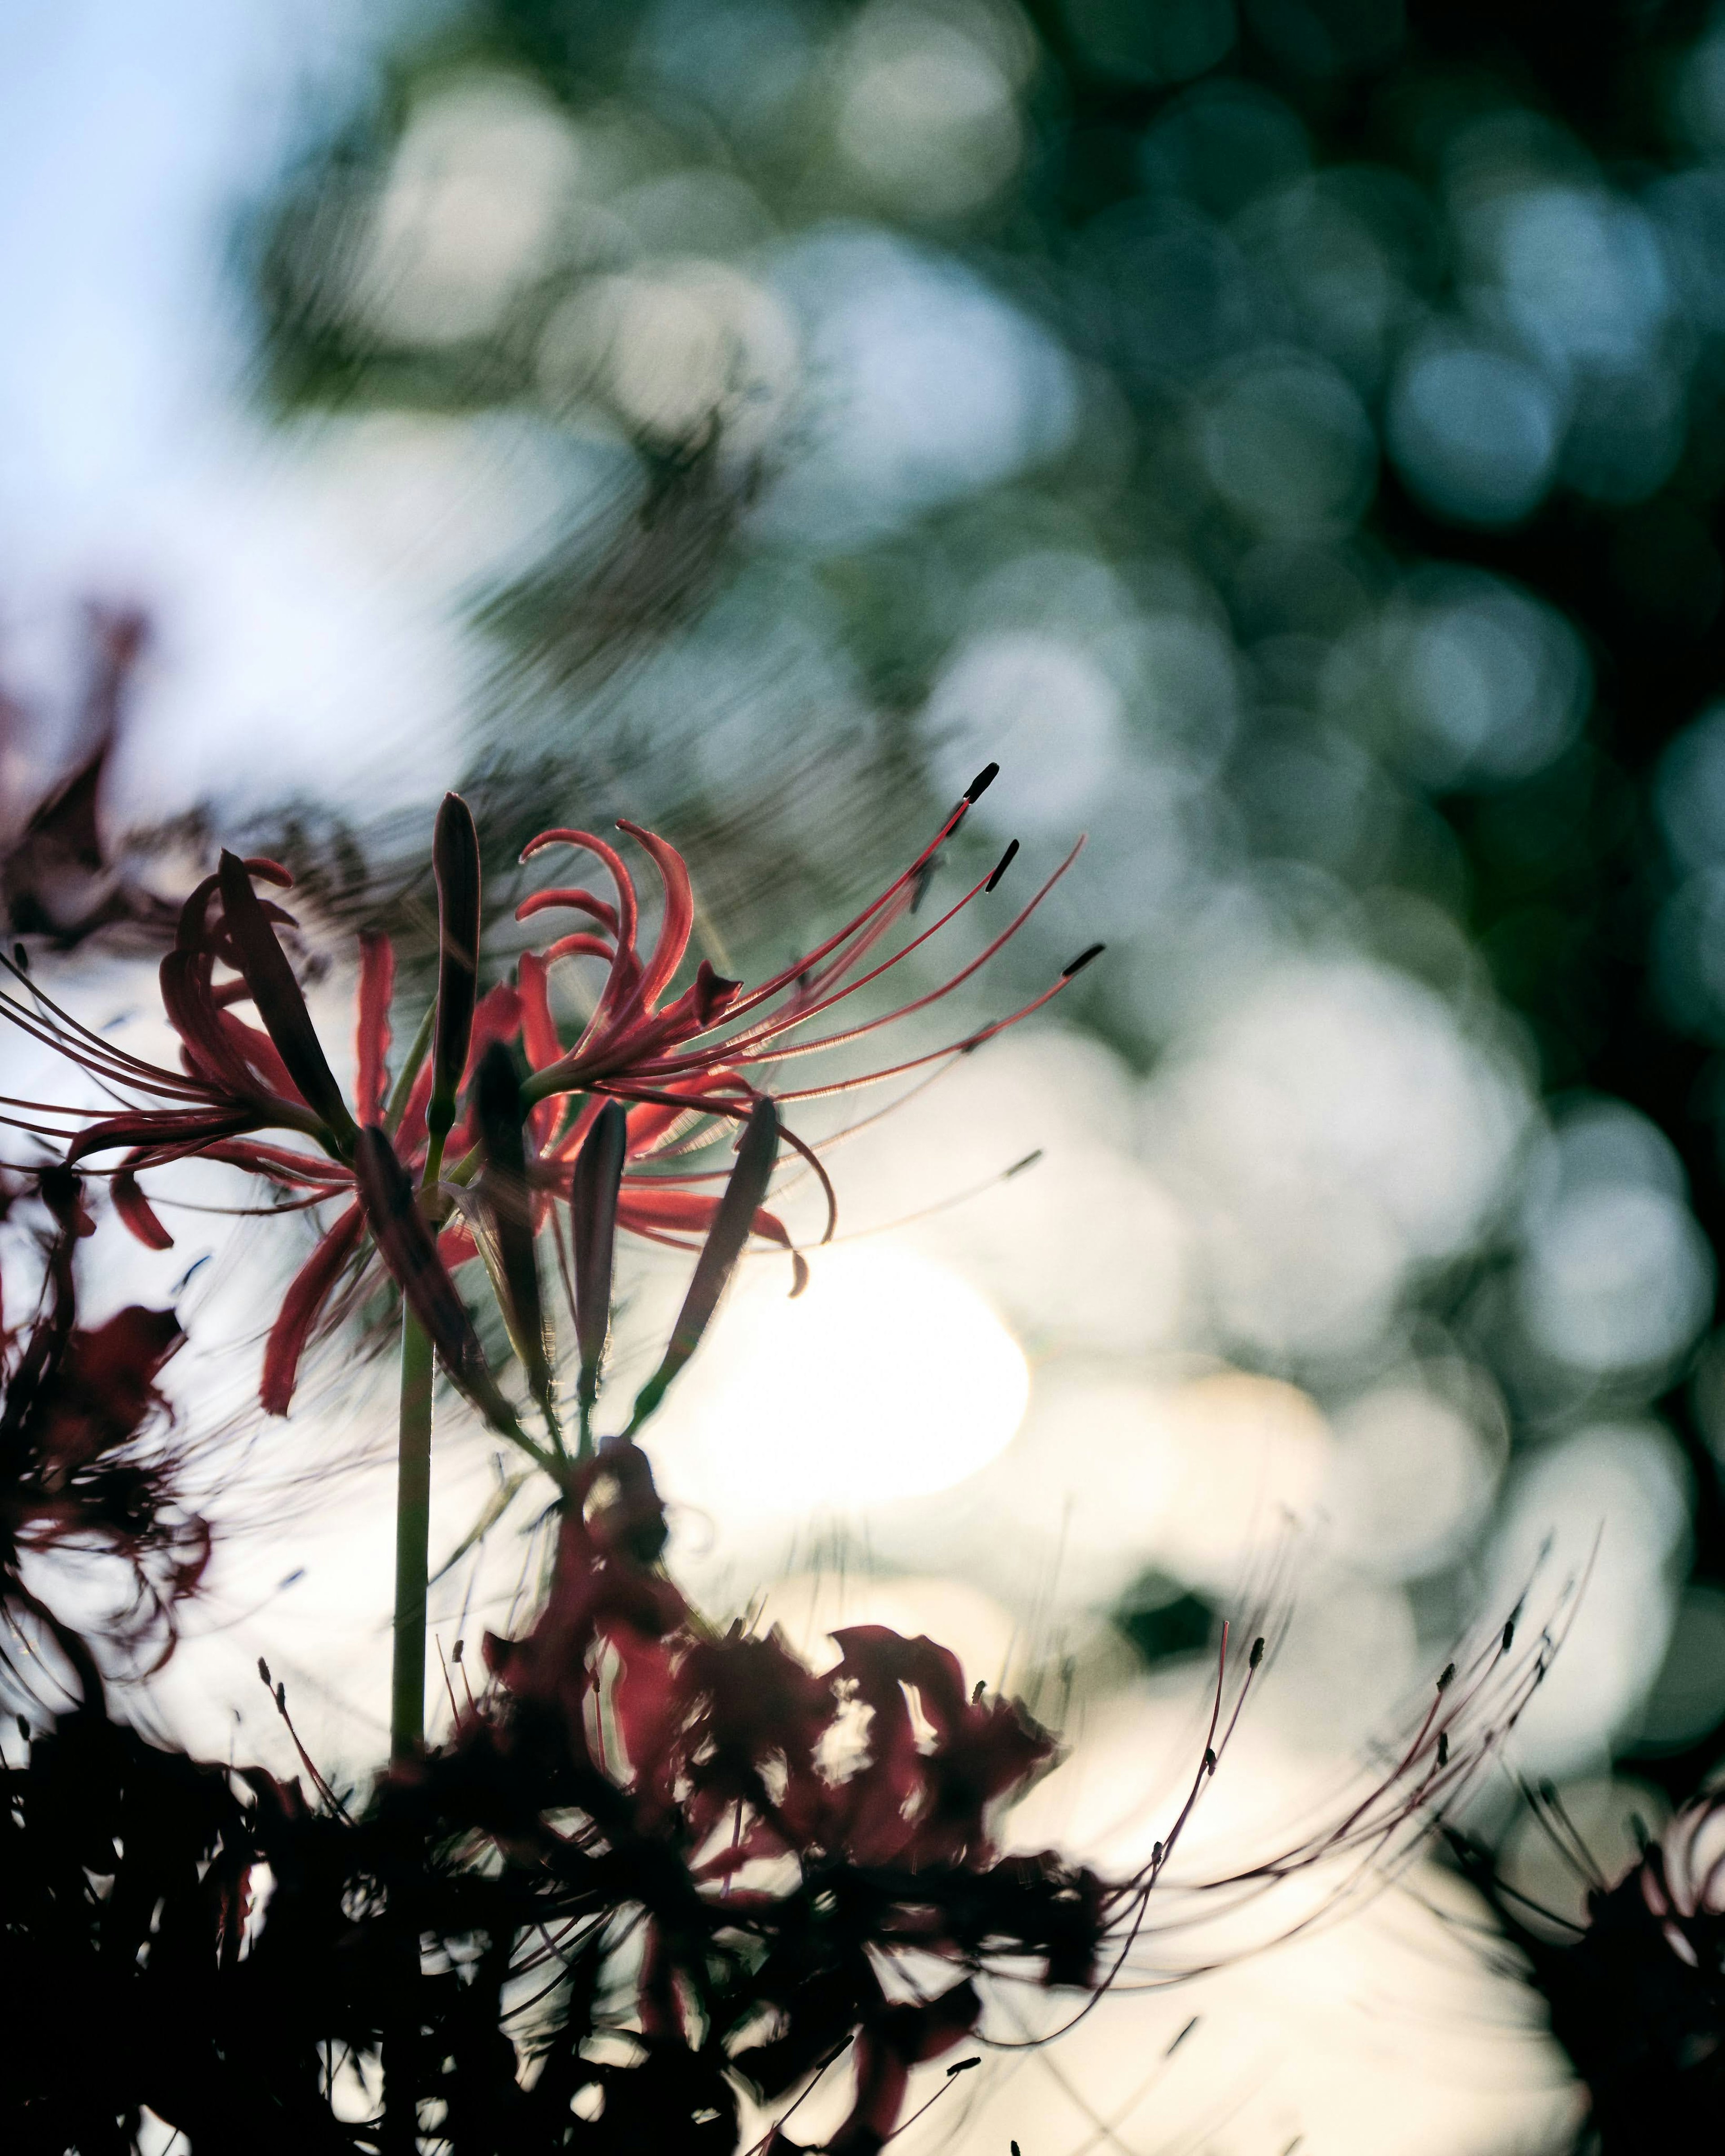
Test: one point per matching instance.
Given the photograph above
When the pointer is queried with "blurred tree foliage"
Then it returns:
(1389, 364)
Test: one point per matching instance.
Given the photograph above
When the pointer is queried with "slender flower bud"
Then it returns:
(743, 1194)
(454, 852)
(281, 1004)
(499, 1115)
(408, 1247)
(592, 1223)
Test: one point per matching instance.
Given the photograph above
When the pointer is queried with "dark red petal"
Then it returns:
(678, 914)
(644, 1210)
(135, 1209)
(539, 1037)
(579, 901)
(196, 1015)
(299, 1311)
(276, 994)
(377, 984)
(163, 1130)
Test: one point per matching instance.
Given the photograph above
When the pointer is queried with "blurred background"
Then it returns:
(1289, 436)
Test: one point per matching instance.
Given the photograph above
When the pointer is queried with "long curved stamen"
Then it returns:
(965, 1047)
(767, 1032)
(902, 884)
(100, 1058)
(812, 997)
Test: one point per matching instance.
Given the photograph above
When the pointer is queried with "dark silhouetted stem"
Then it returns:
(412, 1537)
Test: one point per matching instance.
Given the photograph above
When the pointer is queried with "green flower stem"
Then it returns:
(413, 1542)
(413, 1515)
(416, 1053)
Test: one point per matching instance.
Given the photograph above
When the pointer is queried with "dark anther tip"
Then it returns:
(964, 2067)
(21, 957)
(1209, 1761)
(1443, 1748)
(1443, 1684)
(1256, 1655)
(1018, 1166)
(1002, 865)
(983, 780)
(263, 1672)
(1509, 1633)
(1083, 959)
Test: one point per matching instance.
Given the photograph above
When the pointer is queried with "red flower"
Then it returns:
(80, 1467)
(734, 1730)
(699, 1049)
(686, 1068)
(59, 877)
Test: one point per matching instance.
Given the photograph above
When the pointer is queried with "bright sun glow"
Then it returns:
(888, 1377)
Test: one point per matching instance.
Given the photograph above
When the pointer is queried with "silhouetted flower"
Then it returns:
(1636, 1991)
(653, 1870)
(686, 1069)
(84, 1466)
(59, 875)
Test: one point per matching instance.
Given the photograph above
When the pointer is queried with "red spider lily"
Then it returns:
(857, 1836)
(697, 1050)
(79, 1468)
(60, 876)
(678, 1068)
(709, 1726)
(1634, 1987)
(714, 1748)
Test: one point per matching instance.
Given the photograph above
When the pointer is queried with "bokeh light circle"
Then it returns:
(1475, 432)
(889, 1377)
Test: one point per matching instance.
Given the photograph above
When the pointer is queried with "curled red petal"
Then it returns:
(580, 945)
(579, 901)
(539, 1032)
(539, 1037)
(195, 1014)
(301, 1309)
(164, 1131)
(377, 984)
(678, 914)
(136, 1210)
(645, 1211)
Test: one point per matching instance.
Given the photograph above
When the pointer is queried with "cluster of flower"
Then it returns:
(654, 1869)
